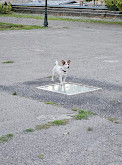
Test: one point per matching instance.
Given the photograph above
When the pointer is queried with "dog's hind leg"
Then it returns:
(53, 74)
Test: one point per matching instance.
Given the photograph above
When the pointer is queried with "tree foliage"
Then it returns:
(5, 8)
(114, 5)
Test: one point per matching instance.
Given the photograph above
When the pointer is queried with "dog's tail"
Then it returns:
(56, 62)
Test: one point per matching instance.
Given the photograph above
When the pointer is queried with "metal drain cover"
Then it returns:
(68, 88)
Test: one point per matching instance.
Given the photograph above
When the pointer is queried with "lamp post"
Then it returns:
(45, 17)
(94, 2)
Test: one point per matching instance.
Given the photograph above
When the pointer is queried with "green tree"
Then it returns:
(119, 5)
(111, 4)
(5, 8)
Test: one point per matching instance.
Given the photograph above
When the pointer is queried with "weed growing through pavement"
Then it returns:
(5, 138)
(15, 93)
(65, 27)
(60, 122)
(43, 126)
(8, 62)
(90, 129)
(41, 156)
(74, 109)
(114, 120)
(29, 130)
(50, 77)
(52, 103)
(53, 123)
(83, 115)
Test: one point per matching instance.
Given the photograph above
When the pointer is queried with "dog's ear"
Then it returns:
(68, 62)
(63, 62)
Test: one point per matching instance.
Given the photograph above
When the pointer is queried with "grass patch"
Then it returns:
(16, 15)
(50, 77)
(41, 156)
(74, 109)
(83, 115)
(113, 120)
(59, 18)
(52, 103)
(66, 27)
(60, 122)
(15, 94)
(8, 62)
(5, 138)
(89, 113)
(90, 129)
(50, 124)
(43, 126)
(29, 130)
(10, 26)
(83, 20)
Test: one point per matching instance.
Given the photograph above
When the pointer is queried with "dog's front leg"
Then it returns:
(64, 78)
(60, 78)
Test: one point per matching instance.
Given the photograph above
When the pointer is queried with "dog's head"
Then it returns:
(66, 64)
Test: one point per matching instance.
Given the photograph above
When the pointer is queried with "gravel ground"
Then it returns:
(95, 54)
(67, 145)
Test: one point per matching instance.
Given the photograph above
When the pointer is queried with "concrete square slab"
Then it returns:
(69, 88)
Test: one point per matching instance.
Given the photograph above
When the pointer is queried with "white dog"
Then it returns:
(61, 71)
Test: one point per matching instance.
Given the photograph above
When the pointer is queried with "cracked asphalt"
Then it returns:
(96, 60)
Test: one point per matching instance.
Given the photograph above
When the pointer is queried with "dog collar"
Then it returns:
(63, 70)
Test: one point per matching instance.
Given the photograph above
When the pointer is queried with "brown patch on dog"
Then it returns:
(68, 62)
(63, 62)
